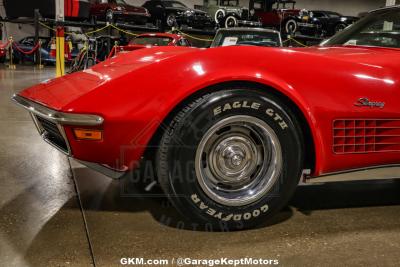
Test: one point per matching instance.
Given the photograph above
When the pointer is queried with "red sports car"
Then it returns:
(155, 39)
(231, 130)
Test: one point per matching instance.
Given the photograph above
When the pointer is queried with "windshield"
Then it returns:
(173, 4)
(151, 40)
(229, 38)
(225, 2)
(381, 28)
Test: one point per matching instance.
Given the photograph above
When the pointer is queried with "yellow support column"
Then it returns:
(60, 56)
(41, 66)
(11, 66)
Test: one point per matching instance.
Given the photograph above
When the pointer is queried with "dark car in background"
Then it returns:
(175, 13)
(284, 16)
(73, 9)
(119, 10)
(333, 22)
(247, 36)
(27, 44)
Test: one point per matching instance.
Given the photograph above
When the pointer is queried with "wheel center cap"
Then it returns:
(236, 160)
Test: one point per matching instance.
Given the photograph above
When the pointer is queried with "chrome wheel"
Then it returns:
(291, 26)
(230, 22)
(171, 20)
(219, 15)
(238, 160)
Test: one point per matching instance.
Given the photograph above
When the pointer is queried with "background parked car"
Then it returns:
(174, 13)
(155, 39)
(47, 50)
(116, 10)
(27, 44)
(228, 13)
(247, 36)
(78, 9)
(333, 22)
(283, 16)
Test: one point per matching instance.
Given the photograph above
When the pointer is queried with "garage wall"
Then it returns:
(350, 7)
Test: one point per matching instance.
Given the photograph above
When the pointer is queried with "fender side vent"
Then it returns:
(366, 136)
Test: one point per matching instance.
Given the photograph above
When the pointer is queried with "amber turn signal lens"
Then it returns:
(88, 134)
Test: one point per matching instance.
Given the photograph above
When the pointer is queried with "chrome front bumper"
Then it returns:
(249, 23)
(40, 114)
(57, 117)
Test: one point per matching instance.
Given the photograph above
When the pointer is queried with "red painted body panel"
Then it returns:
(136, 91)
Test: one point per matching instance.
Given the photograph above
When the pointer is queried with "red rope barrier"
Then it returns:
(27, 52)
(5, 45)
(112, 52)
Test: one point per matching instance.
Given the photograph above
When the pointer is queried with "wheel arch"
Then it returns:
(310, 151)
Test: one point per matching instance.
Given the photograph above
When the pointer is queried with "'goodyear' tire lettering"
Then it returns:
(227, 217)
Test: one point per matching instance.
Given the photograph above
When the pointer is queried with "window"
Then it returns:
(229, 2)
(318, 14)
(261, 38)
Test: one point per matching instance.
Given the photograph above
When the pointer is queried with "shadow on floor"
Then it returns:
(99, 193)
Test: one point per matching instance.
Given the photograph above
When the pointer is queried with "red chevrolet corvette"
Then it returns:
(232, 129)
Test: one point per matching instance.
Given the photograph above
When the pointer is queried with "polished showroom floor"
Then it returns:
(55, 212)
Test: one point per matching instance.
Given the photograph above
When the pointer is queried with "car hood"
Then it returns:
(59, 93)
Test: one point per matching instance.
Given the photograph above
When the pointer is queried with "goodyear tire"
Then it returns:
(231, 159)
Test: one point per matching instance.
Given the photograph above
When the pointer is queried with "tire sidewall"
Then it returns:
(233, 18)
(167, 20)
(288, 22)
(178, 162)
(216, 15)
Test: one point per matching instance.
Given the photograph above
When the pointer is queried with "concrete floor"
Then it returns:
(55, 212)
